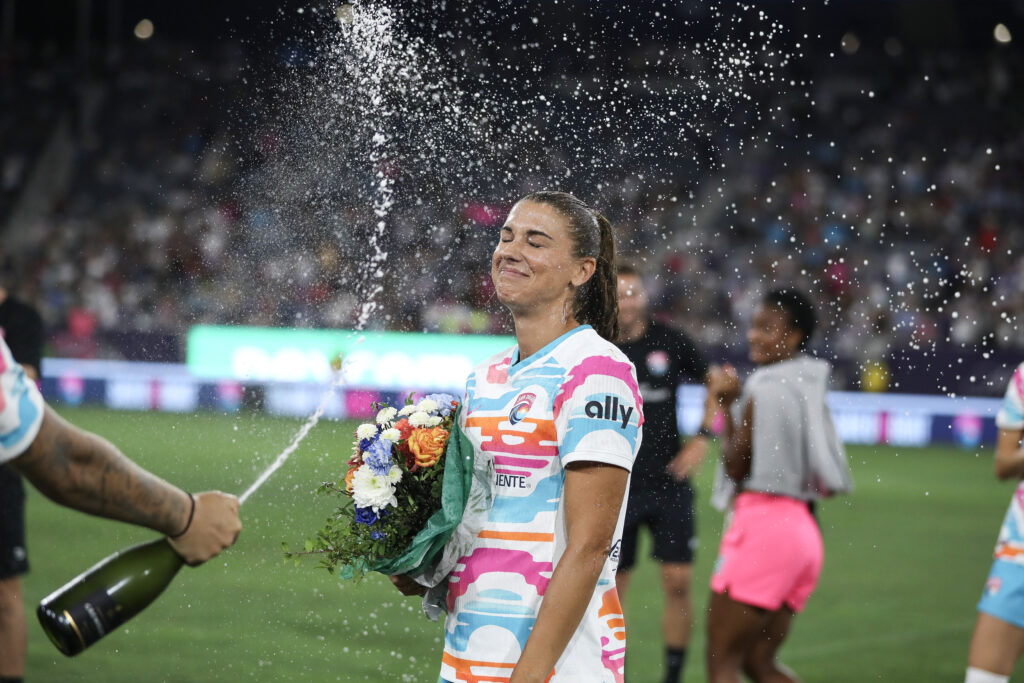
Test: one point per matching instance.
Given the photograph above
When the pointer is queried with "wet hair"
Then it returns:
(627, 269)
(798, 309)
(595, 302)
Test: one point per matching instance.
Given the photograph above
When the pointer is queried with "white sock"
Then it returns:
(975, 675)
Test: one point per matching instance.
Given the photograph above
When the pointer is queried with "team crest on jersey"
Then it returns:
(521, 407)
(993, 585)
(658, 362)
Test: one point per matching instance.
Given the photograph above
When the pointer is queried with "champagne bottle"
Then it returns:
(100, 599)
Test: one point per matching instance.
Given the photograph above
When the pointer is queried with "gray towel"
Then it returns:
(796, 450)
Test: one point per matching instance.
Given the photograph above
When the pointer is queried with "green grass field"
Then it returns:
(907, 555)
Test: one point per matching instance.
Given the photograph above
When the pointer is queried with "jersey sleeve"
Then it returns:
(599, 413)
(21, 407)
(1011, 413)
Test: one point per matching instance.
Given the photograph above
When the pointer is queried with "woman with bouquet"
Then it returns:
(558, 418)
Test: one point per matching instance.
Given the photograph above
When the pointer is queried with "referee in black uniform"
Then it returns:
(22, 329)
(660, 495)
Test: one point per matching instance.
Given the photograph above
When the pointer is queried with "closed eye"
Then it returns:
(534, 238)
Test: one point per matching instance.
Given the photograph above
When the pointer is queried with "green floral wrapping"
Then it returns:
(427, 546)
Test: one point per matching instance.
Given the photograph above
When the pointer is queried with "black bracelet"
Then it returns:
(191, 514)
(705, 432)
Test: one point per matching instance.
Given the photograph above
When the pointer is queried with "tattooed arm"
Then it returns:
(83, 471)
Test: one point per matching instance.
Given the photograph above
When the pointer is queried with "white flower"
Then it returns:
(386, 415)
(374, 491)
(428, 406)
(392, 435)
(366, 431)
(419, 419)
(408, 409)
(434, 420)
(395, 476)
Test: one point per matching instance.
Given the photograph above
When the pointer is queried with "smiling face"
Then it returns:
(533, 266)
(772, 337)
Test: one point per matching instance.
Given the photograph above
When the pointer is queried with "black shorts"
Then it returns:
(667, 509)
(13, 558)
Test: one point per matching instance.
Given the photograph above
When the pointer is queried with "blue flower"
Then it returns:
(443, 400)
(377, 535)
(378, 456)
(366, 516)
(364, 444)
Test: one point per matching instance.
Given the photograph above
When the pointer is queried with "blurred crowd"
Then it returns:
(884, 184)
(894, 200)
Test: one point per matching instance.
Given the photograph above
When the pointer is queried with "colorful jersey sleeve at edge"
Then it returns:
(1011, 413)
(21, 407)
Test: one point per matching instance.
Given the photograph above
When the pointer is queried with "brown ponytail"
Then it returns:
(596, 301)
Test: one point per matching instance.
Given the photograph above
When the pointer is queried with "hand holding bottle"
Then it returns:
(214, 526)
(102, 598)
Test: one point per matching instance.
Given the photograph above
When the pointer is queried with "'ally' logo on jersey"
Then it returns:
(611, 409)
(521, 407)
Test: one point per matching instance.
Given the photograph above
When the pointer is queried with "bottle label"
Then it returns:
(95, 616)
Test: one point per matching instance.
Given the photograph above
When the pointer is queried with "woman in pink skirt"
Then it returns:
(780, 453)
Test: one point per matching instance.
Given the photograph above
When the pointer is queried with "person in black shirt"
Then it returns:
(22, 329)
(660, 494)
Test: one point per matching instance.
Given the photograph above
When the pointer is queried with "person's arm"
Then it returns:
(593, 495)
(83, 471)
(693, 452)
(737, 442)
(737, 439)
(723, 389)
(1009, 454)
(689, 458)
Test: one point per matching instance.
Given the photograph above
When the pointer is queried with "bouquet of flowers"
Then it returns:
(403, 494)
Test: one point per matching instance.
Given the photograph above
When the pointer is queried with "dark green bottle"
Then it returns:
(99, 600)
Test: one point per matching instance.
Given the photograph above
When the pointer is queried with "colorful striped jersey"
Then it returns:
(1010, 546)
(21, 407)
(575, 400)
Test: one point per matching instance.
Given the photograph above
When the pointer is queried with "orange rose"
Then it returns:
(349, 476)
(427, 445)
